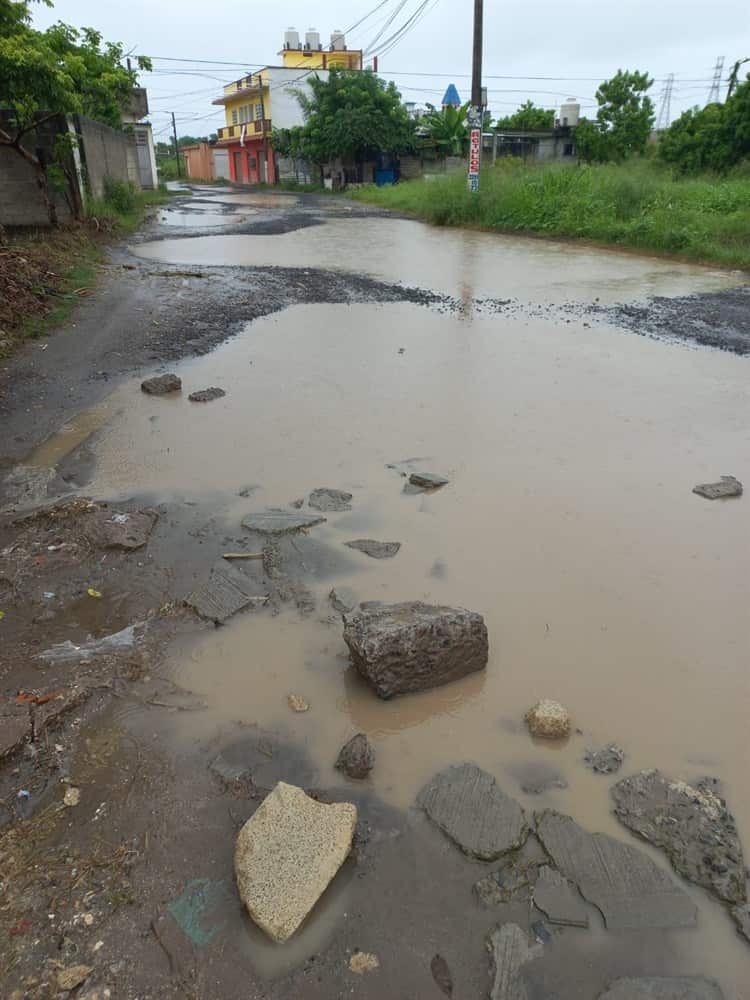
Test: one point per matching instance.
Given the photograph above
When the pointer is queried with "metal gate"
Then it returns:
(144, 158)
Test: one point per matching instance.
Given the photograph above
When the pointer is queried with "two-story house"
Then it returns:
(257, 103)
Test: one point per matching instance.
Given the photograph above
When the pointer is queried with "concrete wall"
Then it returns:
(285, 111)
(106, 152)
(21, 202)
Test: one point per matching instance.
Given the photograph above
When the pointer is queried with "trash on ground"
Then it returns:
(64, 652)
(93, 593)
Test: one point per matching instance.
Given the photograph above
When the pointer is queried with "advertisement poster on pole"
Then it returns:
(474, 119)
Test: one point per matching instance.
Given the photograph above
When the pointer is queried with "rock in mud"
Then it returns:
(160, 385)
(226, 592)
(558, 899)
(548, 720)
(68, 979)
(356, 757)
(691, 823)
(741, 917)
(297, 703)
(280, 522)
(120, 530)
(286, 855)
(399, 648)
(631, 892)
(509, 952)
(470, 808)
(206, 395)
(363, 961)
(608, 760)
(664, 988)
(727, 487)
(376, 550)
(428, 480)
(326, 499)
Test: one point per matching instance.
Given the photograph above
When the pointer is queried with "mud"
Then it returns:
(568, 522)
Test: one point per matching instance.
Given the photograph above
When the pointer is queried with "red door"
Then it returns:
(237, 161)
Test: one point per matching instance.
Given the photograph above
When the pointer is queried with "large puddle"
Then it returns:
(569, 521)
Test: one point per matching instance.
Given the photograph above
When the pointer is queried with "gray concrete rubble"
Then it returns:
(509, 950)
(608, 760)
(328, 499)
(693, 826)
(629, 889)
(470, 808)
(741, 917)
(206, 395)
(280, 522)
(356, 758)
(287, 854)
(226, 592)
(160, 385)
(558, 899)
(399, 648)
(376, 550)
(342, 599)
(727, 486)
(664, 988)
(428, 480)
(109, 529)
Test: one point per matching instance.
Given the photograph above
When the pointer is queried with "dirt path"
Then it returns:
(354, 348)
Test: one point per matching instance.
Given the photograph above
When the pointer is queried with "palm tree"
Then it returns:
(447, 129)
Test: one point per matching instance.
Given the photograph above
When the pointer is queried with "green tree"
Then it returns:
(58, 71)
(623, 121)
(353, 115)
(716, 137)
(528, 116)
(447, 128)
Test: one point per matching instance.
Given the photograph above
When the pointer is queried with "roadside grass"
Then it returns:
(639, 205)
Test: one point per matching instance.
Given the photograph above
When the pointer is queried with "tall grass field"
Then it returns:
(638, 204)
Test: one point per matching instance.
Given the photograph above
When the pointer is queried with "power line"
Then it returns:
(714, 94)
(665, 109)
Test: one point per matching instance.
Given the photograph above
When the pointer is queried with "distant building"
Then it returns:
(451, 98)
(262, 101)
(556, 143)
(132, 120)
(203, 161)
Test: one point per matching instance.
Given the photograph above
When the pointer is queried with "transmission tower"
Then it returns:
(714, 95)
(665, 107)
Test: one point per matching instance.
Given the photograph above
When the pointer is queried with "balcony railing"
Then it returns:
(233, 133)
(240, 86)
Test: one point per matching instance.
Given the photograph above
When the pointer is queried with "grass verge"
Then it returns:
(638, 205)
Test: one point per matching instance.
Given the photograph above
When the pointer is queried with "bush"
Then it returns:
(120, 195)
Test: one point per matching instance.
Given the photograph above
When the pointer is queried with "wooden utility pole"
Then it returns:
(176, 147)
(475, 115)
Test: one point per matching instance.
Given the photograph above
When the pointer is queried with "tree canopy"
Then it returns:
(353, 115)
(528, 116)
(447, 128)
(716, 137)
(623, 120)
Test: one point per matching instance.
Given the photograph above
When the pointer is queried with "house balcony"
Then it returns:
(246, 87)
(259, 129)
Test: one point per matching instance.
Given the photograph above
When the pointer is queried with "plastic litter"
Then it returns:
(93, 593)
(64, 652)
(23, 793)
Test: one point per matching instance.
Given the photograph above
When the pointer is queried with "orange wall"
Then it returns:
(199, 161)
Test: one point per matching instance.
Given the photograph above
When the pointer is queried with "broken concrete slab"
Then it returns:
(728, 486)
(376, 550)
(629, 889)
(287, 854)
(160, 385)
(664, 988)
(119, 529)
(327, 499)
(428, 480)
(693, 826)
(356, 757)
(206, 395)
(226, 592)
(741, 917)
(558, 899)
(548, 720)
(469, 807)
(399, 648)
(279, 522)
(505, 885)
(509, 951)
(342, 599)
(608, 760)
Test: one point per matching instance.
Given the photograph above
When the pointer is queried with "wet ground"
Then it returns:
(354, 348)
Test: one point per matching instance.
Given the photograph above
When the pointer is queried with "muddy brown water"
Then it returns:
(569, 520)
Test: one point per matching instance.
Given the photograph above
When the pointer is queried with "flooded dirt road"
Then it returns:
(571, 447)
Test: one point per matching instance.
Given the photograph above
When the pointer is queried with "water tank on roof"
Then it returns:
(338, 41)
(291, 38)
(570, 112)
(312, 40)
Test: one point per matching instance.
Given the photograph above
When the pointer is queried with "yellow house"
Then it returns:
(257, 103)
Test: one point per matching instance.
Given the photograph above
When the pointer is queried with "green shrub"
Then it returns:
(120, 195)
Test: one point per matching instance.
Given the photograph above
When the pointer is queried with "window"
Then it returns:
(234, 116)
(568, 150)
(258, 111)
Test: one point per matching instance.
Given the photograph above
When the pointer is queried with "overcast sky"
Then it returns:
(573, 44)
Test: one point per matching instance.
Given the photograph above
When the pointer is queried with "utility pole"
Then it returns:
(176, 147)
(714, 95)
(665, 109)
(475, 114)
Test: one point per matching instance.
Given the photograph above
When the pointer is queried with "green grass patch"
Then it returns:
(639, 205)
(122, 208)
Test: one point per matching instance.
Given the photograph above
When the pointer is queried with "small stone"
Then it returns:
(72, 796)
(327, 499)
(363, 961)
(548, 720)
(428, 480)
(68, 979)
(608, 760)
(286, 855)
(356, 758)
(88, 919)
(206, 395)
(298, 704)
(160, 385)
(727, 487)
(280, 522)
(376, 550)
